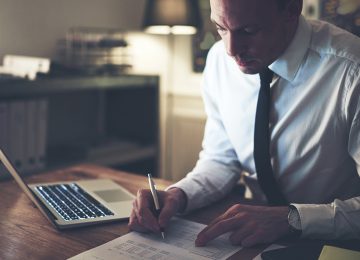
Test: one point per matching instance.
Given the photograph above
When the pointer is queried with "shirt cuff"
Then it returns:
(317, 221)
(208, 182)
(188, 188)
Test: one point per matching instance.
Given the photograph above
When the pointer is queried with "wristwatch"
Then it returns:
(294, 222)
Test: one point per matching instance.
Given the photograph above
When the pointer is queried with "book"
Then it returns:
(17, 131)
(41, 133)
(31, 135)
(4, 138)
(4, 126)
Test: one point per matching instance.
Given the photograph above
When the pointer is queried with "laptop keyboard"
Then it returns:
(71, 202)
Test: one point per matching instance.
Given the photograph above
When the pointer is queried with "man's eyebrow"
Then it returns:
(236, 29)
(214, 22)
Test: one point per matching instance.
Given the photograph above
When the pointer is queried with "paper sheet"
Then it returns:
(333, 253)
(179, 244)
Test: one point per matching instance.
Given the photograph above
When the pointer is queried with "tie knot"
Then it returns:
(266, 76)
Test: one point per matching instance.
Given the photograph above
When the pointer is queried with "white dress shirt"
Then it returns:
(314, 124)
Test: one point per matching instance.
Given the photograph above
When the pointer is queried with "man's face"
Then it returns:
(255, 32)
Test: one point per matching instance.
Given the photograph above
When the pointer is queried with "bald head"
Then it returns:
(255, 32)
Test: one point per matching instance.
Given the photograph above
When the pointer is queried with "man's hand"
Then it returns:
(249, 225)
(142, 217)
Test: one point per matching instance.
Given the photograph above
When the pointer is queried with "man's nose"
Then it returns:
(234, 45)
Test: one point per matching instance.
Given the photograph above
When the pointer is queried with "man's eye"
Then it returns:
(220, 29)
(250, 30)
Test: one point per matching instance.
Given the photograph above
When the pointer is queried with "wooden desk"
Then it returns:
(26, 234)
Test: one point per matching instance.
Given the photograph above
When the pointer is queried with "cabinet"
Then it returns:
(186, 133)
(111, 121)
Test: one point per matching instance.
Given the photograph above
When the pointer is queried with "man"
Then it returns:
(314, 128)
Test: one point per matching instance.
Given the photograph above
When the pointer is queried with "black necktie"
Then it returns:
(263, 166)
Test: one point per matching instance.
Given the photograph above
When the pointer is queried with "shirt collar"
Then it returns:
(288, 64)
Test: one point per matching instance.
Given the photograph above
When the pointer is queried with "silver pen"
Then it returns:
(156, 200)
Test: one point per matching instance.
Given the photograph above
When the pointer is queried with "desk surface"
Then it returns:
(26, 234)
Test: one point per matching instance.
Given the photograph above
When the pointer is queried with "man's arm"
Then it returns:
(218, 169)
(340, 219)
(214, 175)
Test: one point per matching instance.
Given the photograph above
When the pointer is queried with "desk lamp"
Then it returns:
(172, 17)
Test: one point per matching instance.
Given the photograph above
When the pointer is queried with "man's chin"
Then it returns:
(249, 70)
(252, 67)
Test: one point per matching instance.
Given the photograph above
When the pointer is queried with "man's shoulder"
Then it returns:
(328, 39)
(218, 58)
(217, 50)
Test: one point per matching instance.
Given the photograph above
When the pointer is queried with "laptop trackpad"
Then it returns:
(113, 195)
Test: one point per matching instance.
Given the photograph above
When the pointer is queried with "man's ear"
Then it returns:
(293, 9)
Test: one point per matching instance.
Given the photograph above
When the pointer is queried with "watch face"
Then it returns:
(294, 219)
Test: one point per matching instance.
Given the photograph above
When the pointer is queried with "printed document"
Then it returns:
(179, 244)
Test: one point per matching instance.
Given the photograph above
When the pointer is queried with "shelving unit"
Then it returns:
(112, 121)
(95, 50)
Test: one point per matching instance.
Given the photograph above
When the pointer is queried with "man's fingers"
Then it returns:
(144, 199)
(144, 210)
(259, 237)
(254, 239)
(230, 213)
(250, 225)
(167, 212)
(219, 218)
(145, 217)
(240, 234)
(227, 215)
(217, 229)
(171, 200)
(134, 223)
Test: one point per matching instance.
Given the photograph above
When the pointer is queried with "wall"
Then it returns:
(32, 27)
(187, 117)
(181, 108)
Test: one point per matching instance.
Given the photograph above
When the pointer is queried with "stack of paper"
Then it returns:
(179, 244)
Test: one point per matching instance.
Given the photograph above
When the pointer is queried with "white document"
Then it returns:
(179, 244)
(25, 66)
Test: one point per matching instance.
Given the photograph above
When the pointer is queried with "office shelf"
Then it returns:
(112, 121)
(25, 88)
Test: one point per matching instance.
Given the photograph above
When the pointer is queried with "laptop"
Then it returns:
(77, 203)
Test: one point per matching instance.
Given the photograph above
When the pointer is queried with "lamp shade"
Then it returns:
(172, 16)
